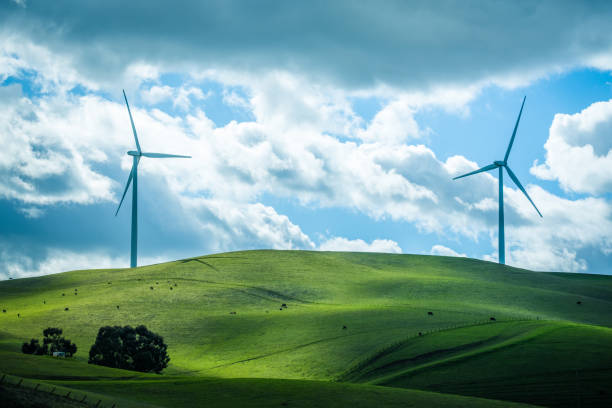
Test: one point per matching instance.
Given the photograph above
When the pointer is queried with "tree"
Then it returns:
(52, 341)
(52, 336)
(32, 347)
(137, 349)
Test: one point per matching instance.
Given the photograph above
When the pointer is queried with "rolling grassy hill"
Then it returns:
(543, 347)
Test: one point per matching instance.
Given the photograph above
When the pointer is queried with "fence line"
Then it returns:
(41, 387)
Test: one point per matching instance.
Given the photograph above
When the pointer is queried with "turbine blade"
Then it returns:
(518, 184)
(164, 155)
(132, 121)
(127, 185)
(514, 132)
(485, 168)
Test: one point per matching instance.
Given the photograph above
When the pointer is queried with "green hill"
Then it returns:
(541, 339)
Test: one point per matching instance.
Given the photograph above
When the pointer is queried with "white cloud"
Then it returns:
(183, 97)
(392, 124)
(285, 102)
(32, 212)
(54, 70)
(157, 94)
(553, 243)
(61, 260)
(232, 98)
(358, 245)
(579, 150)
(244, 226)
(444, 251)
(51, 146)
(180, 97)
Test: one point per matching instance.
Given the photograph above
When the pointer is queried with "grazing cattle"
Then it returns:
(157, 283)
(3, 310)
(44, 302)
(280, 309)
(579, 302)
(63, 294)
(430, 313)
(343, 327)
(151, 287)
(66, 309)
(492, 318)
(110, 283)
(420, 334)
(117, 306)
(76, 293)
(284, 305)
(170, 287)
(175, 285)
(18, 315)
(232, 312)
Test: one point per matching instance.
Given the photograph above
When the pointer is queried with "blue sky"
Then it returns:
(339, 129)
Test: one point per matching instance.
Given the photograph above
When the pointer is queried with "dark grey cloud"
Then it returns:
(359, 44)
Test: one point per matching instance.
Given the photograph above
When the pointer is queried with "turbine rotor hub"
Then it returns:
(499, 163)
(134, 153)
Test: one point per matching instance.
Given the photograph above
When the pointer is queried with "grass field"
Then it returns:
(543, 348)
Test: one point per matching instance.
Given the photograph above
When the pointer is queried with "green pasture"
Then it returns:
(258, 392)
(383, 300)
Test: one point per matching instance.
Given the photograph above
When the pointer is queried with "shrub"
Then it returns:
(137, 349)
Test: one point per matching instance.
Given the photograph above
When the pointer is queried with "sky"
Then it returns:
(333, 126)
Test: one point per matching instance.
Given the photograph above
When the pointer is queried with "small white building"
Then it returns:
(59, 354)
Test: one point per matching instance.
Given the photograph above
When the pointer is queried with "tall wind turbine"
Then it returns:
(501, 165)
(136, 155)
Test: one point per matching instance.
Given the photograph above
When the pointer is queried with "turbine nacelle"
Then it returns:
(134, 153)
(498, 163)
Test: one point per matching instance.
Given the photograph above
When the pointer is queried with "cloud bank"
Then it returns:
(300, 137)
(413, 44)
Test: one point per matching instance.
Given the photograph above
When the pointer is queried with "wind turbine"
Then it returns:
(136, 155)
(499, 164)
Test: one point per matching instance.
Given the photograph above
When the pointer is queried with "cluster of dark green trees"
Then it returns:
(137, 349)
(52, 342)
(129, 348)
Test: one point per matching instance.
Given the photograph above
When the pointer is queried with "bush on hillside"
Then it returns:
(137, 349)
(33, 347)
(52, 341)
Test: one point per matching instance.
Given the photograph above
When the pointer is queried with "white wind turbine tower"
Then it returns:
(503, 164)
(133, 178)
